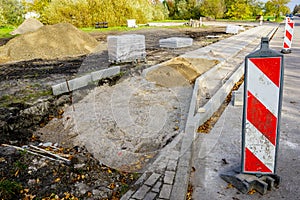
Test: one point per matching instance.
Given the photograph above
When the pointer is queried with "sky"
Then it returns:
(292, 4)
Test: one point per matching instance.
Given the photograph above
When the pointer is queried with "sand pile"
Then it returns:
(49, 42)
(180, 71)
(29, 25)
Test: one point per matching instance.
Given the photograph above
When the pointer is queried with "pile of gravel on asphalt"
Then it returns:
(49, 42)
(29, 25)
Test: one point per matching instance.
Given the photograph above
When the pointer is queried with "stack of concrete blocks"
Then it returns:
(176, 42)
(131, 23)
(126, 48)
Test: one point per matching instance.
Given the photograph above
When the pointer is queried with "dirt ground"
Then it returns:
(26, 104)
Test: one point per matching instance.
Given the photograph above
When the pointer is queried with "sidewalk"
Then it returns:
(168, 176)
(220, 150)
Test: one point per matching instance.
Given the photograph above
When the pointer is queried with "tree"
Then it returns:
(238, 9)
(276, 7)
(257, 7)
(180, 9)
(12, 12)
(37, 6)
(2, 18)
(296, 9)
(83, 13)
(213, 8)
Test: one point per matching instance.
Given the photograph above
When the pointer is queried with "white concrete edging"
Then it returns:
(83, 81)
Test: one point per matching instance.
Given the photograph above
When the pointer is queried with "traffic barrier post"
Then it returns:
(263, 86)
(288, 36)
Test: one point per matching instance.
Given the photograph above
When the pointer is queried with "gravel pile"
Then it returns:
(49, 42)
(29, 25)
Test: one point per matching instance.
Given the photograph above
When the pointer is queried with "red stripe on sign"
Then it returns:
(253, 164)
(261, 118)
(286, 46)
(270, 67)
(291, 24)
(288, 35)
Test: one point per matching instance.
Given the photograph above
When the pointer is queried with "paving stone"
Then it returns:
(172, 165)
(152, 179)
(173, 155)
(157, 186)
(165, 191)
(127, 195)
(142, 178)
(169, 177)
(161, 167)
(180, 183)
(141, 193)
(151, 196)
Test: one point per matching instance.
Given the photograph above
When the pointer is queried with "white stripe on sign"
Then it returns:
(260, 146)
(263, 89)
(288, 42)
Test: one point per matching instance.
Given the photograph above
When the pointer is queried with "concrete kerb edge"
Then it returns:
(84, 80)
(216, 101)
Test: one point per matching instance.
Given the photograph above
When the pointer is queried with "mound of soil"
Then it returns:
(180, 71)
(49, 42)
(29, 25)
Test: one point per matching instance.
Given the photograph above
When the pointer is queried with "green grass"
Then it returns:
(24, 96)
(4, 31)
(125, 28)
(8, 188)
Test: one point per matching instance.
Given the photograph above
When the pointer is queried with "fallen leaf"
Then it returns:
(67, 195)
(57, 180)
(252, 192)
(229, 186)
(89, 194)
(17, 172)
(112, 186)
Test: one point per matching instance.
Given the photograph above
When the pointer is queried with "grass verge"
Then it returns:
(4, 31)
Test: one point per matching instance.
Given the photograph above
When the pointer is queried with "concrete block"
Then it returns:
(237, 98)
(233, 29)
(150, 196)
(84, 80)
(172, 165)
(180, 183)
(127, 195)
(73, 85)
(169, 177)
(165, 191)
(79, 82)
(141, 193)
(152, 179)
(98, 75)
(131, 23)
(176, 42)
(157, 187)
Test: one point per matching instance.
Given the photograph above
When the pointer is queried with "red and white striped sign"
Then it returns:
(261, 114)
(288, 33)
